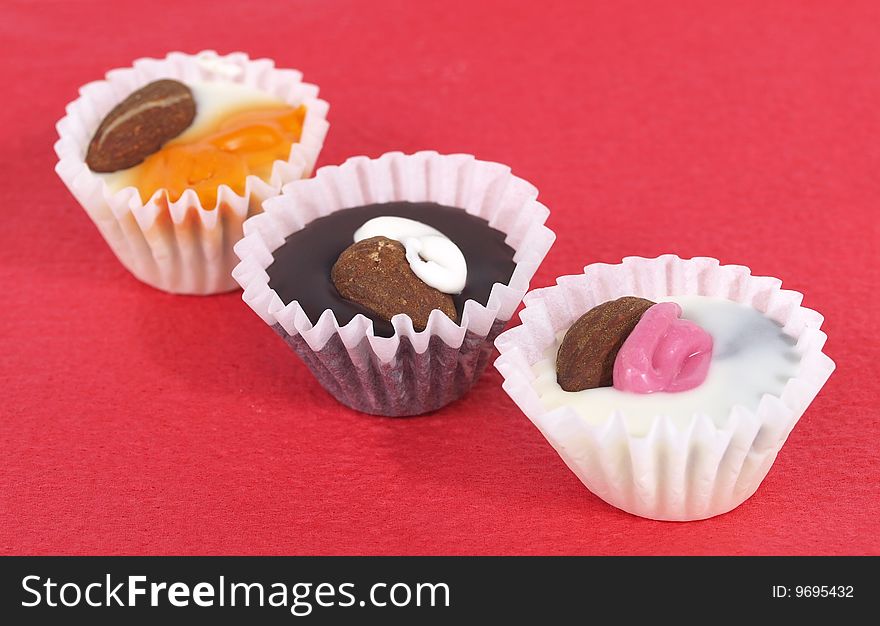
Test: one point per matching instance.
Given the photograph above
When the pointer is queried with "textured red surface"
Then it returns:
(142, 423)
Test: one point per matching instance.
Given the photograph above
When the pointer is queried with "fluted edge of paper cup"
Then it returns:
(670, 473)
(182, 247)
(411, 372)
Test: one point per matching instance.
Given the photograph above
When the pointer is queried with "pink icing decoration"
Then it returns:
(663, 353)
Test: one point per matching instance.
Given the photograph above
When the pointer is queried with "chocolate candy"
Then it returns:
(374, 273)
(302, 265)
(586, 356)
(139, 125)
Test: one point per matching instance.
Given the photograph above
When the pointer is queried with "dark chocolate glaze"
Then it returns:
(301, 267)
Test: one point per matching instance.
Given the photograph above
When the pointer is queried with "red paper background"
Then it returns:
(138, 422)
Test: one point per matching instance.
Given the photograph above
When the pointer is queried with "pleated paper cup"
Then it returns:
(182, 247)
(411, 372)
(673, 470)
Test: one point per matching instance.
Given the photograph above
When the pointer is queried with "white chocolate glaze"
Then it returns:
(213, 100)
(212, 62)
(751, 357)
(432, 256)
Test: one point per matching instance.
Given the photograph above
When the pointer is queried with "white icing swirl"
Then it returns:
(432, 256)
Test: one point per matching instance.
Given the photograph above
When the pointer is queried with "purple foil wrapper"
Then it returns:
(410, 384)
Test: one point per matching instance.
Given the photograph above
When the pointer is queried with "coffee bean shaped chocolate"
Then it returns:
(586, 356)
(375, 274)
(140, 125)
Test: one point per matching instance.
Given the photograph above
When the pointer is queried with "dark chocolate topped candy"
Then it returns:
(302, 265)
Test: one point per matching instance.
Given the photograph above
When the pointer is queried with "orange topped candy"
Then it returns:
(241, 144)
(237, 132)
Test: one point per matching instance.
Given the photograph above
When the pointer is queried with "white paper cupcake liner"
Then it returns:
(670, 473)
(182, 247)
(410, 372)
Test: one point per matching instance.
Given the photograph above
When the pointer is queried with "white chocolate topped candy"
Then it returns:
(752, 356)
(432, 256)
